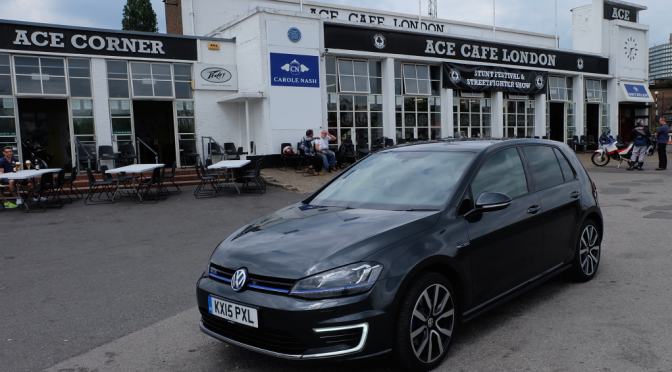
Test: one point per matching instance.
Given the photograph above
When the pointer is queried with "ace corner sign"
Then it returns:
(215, 77)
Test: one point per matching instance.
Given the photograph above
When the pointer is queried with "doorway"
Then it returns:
(557, 122)
(154, 125)
(593, 121)
(45, 131)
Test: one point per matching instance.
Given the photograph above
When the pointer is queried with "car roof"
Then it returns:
(471, 145)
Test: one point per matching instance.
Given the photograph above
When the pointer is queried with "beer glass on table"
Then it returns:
(28, 164)
(18, 166)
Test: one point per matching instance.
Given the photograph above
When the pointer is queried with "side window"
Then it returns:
(503, 172)
(564, 165)
(544, 165)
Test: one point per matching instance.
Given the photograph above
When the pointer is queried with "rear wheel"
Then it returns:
(426, 323)
(600, 159)
(588, 251)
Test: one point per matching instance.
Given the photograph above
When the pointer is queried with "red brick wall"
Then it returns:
(173, 16)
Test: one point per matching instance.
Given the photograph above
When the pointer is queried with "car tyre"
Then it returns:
(426, 323)
(588, 252)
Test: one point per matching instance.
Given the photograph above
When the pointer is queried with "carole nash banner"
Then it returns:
(495, 79)
(295, 70)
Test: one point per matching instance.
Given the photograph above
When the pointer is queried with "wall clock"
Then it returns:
(630, 48)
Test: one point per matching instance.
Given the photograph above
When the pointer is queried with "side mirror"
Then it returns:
(490, 202)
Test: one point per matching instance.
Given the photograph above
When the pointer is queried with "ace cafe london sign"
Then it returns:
(41, 38)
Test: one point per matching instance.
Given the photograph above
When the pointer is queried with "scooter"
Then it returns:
(609, 149)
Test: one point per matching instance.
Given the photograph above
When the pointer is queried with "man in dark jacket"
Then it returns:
(642, 137)
(662, 136)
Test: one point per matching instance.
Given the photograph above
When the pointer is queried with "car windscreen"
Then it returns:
(397, 180)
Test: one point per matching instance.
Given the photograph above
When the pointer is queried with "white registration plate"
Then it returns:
(233, 312)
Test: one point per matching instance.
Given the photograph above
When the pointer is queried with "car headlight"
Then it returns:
(344, 281)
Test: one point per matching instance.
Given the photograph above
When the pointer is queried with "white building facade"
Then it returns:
(258, 74)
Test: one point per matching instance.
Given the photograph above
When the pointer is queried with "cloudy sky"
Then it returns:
(529, 15)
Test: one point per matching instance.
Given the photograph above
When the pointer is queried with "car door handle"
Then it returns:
(533, 209)
(575, 194)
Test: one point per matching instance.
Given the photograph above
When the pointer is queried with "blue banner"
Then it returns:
(295, 70)
(636, 91)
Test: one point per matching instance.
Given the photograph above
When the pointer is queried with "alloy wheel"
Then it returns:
(589, 250)
(432, 323)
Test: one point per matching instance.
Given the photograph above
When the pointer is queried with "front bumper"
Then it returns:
(297, 329)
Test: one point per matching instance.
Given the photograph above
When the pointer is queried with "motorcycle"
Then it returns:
(610, 149)
(33, 151)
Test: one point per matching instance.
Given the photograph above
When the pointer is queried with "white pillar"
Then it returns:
(447, 123)
(247, 125)
(387, 67)
(496, 117)
(612, 100)
(579, 99)
(101, 106)
(540, 115)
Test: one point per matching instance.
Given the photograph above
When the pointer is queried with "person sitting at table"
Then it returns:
(7, 166)
(312, 158)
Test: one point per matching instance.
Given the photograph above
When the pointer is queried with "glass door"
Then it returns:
(121, 112)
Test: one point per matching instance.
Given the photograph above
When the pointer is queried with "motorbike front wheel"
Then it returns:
(600, 159)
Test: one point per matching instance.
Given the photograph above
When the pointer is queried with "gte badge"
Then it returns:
(295, 70)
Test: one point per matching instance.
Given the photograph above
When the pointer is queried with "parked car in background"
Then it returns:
(397, 251)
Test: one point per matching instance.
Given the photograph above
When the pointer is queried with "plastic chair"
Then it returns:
(255, 176)
(401, 141)
(94, 185)
(46, 183)
(58, 189)
(86, 155)
(128, 154)
(389, 142)
(200, 191)
(413, 140)
(583, 143)
(286, 156)
(107, 153)
(171, 178)
(68, 181)
(591, 141)
(363, 148)
(231, 151)
(189, 151)
(215, 150)
(147, 185)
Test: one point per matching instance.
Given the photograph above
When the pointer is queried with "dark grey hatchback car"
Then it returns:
(399, 249)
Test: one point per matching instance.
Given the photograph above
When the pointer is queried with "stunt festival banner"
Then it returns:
(494, 79)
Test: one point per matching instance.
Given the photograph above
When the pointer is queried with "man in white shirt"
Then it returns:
(322, 149)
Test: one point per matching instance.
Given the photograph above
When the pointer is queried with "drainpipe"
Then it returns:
(420, 13)
(193, 27)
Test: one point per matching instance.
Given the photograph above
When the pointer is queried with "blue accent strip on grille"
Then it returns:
(220, 277)
(332, 289)
(268, 288)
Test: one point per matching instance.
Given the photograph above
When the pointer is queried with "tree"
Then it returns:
(139, 16)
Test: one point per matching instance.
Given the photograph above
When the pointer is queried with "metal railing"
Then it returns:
(156, 154)
(79, 145)
(209, 152)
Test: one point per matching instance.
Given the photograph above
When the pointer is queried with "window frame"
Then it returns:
(69, 78)
(153, 80)
(340, 80)
(39, 66)
(553, 148)
(428, 80)
(12, 86)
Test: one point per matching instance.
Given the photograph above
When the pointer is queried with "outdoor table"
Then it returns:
(230, 165)
(24, 175)
(133, 168)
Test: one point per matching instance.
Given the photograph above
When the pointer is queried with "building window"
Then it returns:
(37, 75)
(418, 109)
(353, 75)
(416, 79)
(151, 79)
(560, 88)
(82, 120)
(120, 112)
(596, 91)
(5, 76)
(518, 118)
(117, 79)
(471, 114)
(182, 75)
(354, 100)
(79, 76)
(186, 127)
(7, 120)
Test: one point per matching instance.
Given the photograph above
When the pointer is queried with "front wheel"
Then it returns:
(600, 159)
(425, 323)
(588, 251)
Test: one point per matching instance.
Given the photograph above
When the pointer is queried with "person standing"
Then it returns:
(662, 136)
(642, 138)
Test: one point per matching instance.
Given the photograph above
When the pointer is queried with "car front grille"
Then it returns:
(267, 339)
(256, 282)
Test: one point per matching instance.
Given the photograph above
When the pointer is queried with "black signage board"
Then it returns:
(367, 39)
(494, 79)
(53, 39)
(622, 12)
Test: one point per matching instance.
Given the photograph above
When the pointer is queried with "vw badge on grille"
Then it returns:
(239, 279)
